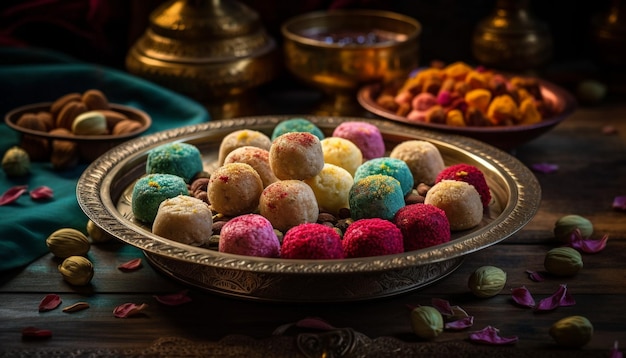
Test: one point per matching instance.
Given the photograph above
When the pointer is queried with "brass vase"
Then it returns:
(214, 51)
(510, 38)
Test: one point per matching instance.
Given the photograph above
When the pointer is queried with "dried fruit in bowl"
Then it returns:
(460, 95)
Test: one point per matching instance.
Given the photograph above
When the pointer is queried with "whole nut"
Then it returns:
(68, 113)
(76, 270)
(96, 233)
(58, 104)
(126, 126)
(68, 242)
(564, 227)
(572, 331)
(563, 261)
(64, 152)
(94, 99)
(113, 117)
(16, 162)
(426, 322)
(31, 121)
(487, 281)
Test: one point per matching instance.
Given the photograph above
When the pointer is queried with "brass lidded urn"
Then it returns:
(214, 51)
(511, 38)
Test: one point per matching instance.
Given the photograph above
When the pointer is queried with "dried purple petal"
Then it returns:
(615, 353)
(41, 193)
(545, 168)
(522, 297)
(174, 299)
(586, 245)
(49, 302)
(130, 265)
(12, 194)
(460, 324)
(36, 333)
(535, 276)
(561, 298)
(442, 306)
(128, 309)
(619, 203)
(490, 335)
(315, 323)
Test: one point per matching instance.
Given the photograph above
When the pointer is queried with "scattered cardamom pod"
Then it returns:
(68, 242)
(487, 281)
(426, 322)
(96, 233)
(563, 261)
(76, 270)
(564, 227)
(572, 331)
(16, 162)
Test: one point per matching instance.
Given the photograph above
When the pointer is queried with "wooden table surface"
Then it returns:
(592, 171)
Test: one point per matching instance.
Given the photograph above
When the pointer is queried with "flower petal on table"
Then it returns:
(49, 302)
(12, 194)
(522, 297)
(491, 335)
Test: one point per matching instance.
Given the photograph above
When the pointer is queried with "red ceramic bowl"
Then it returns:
(503, 137)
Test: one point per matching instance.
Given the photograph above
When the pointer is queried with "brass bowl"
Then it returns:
(340, 69)
(90, 147)
(503, 137)
(104, 193)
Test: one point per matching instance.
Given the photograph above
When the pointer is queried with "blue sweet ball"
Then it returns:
(375, 196)
(150, 190)
(393, 167)
(297, 125)
(181, 159)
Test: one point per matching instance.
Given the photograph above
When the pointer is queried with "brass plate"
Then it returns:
(104, 188)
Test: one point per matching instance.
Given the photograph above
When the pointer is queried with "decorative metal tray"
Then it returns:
(104, 190)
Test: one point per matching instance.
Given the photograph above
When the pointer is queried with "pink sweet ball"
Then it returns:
(364, 135)
(469, 174)
(312, 241)
(250, 235)
(372, 237)
(422, 225)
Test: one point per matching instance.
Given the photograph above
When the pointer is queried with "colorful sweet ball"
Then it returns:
(180, 159)
(387, 166)
(184, 219)
(250, 235)
(422, 225)
(297, 125)
(331, 188)
(459, 200)
(150, 190)
(375, 196)
(372, 237)
(288, 203)
(296, 155)
(257, 158)
(365, 135)
(234, 189)
(342, 152)
(241, 138)
(470, 174)
(312, 241)
(422, 157)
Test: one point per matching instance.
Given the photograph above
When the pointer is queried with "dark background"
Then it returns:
(103, 31)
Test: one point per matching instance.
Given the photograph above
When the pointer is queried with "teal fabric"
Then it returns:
(29, 76)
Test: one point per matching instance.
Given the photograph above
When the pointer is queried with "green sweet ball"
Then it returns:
(297, 125)
(375, 196)
(393, 167)
(180, 159)
(149, 191)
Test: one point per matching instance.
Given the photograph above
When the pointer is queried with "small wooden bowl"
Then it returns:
(90, 147)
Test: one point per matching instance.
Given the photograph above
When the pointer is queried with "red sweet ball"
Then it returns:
(312, 241)
(422, 225)
(372, 237)
(469, 174)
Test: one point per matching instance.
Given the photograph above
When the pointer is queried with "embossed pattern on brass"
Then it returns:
(103, 193)
(204, 49)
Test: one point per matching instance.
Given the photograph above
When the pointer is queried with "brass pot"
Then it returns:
(339, 69)
(510, 38)
(210, 50)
